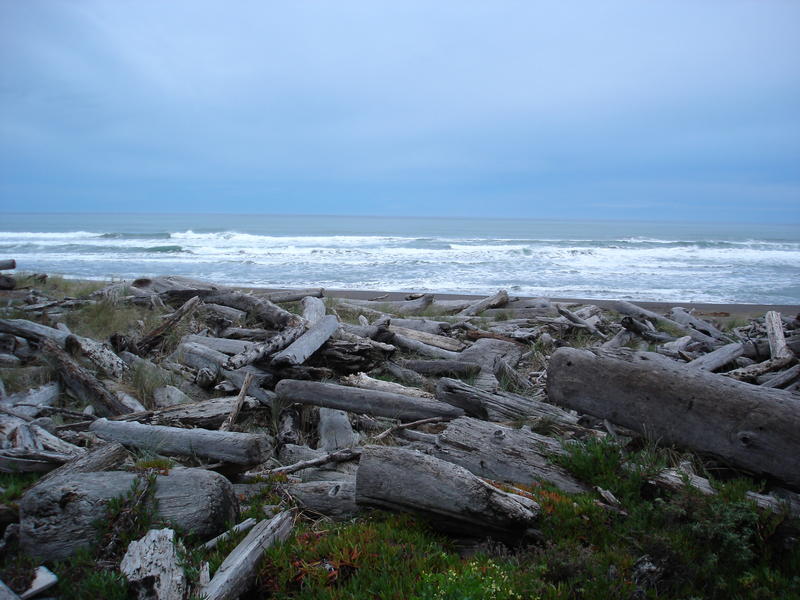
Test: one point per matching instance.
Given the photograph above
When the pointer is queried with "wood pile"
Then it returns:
(434, 407)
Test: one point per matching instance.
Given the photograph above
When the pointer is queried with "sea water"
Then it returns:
(680, 262)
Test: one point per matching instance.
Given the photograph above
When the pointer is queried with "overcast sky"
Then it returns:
(664, 110)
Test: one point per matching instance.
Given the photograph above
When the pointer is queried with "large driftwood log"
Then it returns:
(32, 402)
(358, 400)
(57, 518)
(364, 381)
(236, 573)
(680, 315)
(313, 309)
(431, 339)
(274, 317)
(398, 307)
(153, 337)
(103, 457)
(334, 499)
(8, 264)
(82, 384)
(294, 295)
(502, 453)
(413, 345)
(219, 344)
(224, 446)
(456, 500)
(303, 347)
(745, 425)
(335, 431)
(423, 325)
(499, 299)
(577, 320)
(718, 358)
(637, 312)
(500, 406)
(488, 353)
(449, 368)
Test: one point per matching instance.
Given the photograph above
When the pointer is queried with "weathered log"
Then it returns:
(271, 346)
(431, 339)
(154, 337)
(631, 310)
(303, 347)
(223, 313)
(8, 264)
(746, 426)
(198, 356)
(243, 526)
(364, 381)
(274, 317)
(640, 329)
(423, 325)
(33, 400)
(455, 499)
(681, 316)
(294, 295)
(224, 446)
(6, 593)
(168, 396)
(450, 368)
(499, 299)
(346, 354)
(153, 567)
(403, 426)
(7, 282)
(333, 457)
(500, 406)
(407, 408)
(488, 353)
(219, 344)
(104, 457)
(229, 421)
(30, 460)
(751, 372)
(782, 379)
(504, 454)
(333, 499)
(777, 342)
(718, 358)
(32, 331)
(422, 348)
(82, 384)
(573, 318)
(335, 431)
(407, 376)
(247, 334)
(236, 573)
(57, 518)
(399, 307)
(316, 465)
(313, 309)
(43, 579)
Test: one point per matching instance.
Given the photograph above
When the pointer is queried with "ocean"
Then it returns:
(657, 261)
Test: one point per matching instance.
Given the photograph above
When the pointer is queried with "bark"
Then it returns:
(453, 498)
(504, 454)
(307, 344)
(223, 446)
(237, 572)
(384, 404)
(82, 384)
(754, 428)
(56, 518)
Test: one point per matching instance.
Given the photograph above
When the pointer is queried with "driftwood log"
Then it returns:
(754, 428)
(455, 499)
(153, 567)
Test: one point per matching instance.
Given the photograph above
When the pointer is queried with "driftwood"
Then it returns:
(8, 264)
(207, 414)
(399, 307)
(401, 426)
(431, 339)
(499, 299)
(236, 573)
(274, 344)
(57, 518)
(778, 348)
(455, 499)
(152, 338)
(313, 309)
(333, 457)
(153, 567)
(237, 405)
(364, 381)
(224, 446)
(718, 358)
(223, 345)
(357, 400)
(450, 368)
(576, 320)
(335, 431)
(103, 457)
(423, 325)
(637, 312)
(294, 295)
(32, 402)
(413, 345)
(782, 379)
(82, 384)
(643, 331)
(502, 453)
(243, 526)
(681, 316)
(274, 317)
(747, 426)
(334, 499)
(303, 347)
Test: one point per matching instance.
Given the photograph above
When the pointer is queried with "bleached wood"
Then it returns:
(573, 318)
(680, 315)
(422, 348)
(274, 317)
(307, 344)
(455, 500)
(313, 309)
(223, 446)
(333, 499)
(243, 526)
(43, 396)
(358, 400)
(335, 431)
(208, 414)
(331, 457)
(495, 301)
(401, 426)
(362, 380)
(153, 567)
(227, 424)
(219, 344)
(744, 425)
(295, 295)
(431, 339)
(103, 457)
(271, 346)
(718, 358)
(778, 348)
(236, 573)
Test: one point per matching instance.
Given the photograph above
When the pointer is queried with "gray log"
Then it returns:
(782, 379)
(357, 400)
(718, 358)
(223, 345)
(425, 325)
(450, 368)
(455, 499)
(32, 331)
(504, 454)
(400, 307)
(313, 309)
(236, 573)
(274, 344)
(103, 457)
(234, 315)
(42, 396)
(500, 406)
(295, 295)
(631, 310)
(499, 299)
(198, 356)
(431, 339)
(153, 337)
(57, 518)
(224, 446)
(169, 396)
(680, 315)
(747, 426)
(487, 353)
(8, 264)
(422, 348)
(207, 414)
(303, 347)
(334, 499)
(777, 342)
(405, 375)
(335, 431)
(274, 317)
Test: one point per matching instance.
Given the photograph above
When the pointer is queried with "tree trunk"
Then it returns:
(424, 349)
(8, 264)
(718, 358)
(499, 299)
(259, 351)
(313, 309)
(453, 498)
(383, 404)
(272, 316)
(744, 425)
(431, 339)
(223, 446)
(334, 499)
(303, 347)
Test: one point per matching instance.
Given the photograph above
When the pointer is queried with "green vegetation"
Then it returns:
(58, 287)
(106, 316)
(14, 484)
(22, 379)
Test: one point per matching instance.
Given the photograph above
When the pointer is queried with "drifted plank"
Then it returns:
(225, 446)
(754, 428)
(382, 404)
(406, 480)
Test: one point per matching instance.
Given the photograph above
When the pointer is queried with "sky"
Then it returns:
(664, 110)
